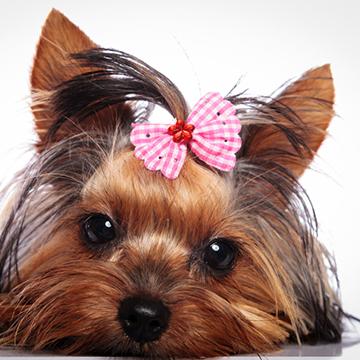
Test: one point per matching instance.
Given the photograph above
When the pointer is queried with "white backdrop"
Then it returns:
(208, 45)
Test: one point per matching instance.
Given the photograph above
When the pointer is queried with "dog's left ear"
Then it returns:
(295, 122)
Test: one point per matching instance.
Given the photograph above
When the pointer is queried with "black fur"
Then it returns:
(119, 77)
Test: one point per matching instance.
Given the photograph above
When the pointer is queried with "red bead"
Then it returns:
(181, 131)
(186, 135)
(180, 123)
(172, 129)
(189, 127)
(177, 137)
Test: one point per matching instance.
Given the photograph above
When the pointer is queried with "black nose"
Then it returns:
(143, 319)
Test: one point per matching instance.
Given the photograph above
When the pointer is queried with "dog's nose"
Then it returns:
(143, 319)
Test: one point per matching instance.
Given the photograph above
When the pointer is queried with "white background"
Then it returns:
(208, 45)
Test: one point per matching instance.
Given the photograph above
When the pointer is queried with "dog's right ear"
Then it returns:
(59, 38)
(53, 66)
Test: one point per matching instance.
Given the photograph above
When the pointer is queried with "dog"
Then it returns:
(188, 239)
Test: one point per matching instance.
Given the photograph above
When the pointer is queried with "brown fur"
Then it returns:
(52, 66)
(66, 295)
(311, 98)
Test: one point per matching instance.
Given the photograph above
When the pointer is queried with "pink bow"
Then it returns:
(211, 132)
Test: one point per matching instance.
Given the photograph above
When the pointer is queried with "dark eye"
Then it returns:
(98, 229)
(220, 255)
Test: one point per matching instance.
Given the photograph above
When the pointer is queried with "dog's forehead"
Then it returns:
(123, 182)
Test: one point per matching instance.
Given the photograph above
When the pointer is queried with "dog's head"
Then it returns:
(101, 255)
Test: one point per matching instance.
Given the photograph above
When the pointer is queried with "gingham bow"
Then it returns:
(211, 132)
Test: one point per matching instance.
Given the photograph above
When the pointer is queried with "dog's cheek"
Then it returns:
(63, 246)
(210, 322)
(68, 298)
(239, 313)
(71, 308)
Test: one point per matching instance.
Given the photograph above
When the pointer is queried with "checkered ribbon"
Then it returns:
(211, 132)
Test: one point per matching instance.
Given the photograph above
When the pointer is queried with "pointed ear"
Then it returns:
(299, 117)
(53, 66)
(59, 38)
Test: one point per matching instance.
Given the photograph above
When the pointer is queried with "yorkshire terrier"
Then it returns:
(187, 239)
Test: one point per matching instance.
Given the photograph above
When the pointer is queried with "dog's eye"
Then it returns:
(98, 229)
(220, 255)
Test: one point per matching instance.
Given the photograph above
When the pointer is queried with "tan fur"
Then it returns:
(67, 296)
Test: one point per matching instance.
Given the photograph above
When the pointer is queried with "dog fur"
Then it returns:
(60, 293)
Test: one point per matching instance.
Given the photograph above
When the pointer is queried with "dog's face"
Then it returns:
(116, 259)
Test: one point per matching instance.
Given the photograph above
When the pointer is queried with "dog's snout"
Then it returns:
(143, 319)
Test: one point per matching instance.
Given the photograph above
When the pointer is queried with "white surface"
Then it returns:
(207, 45)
